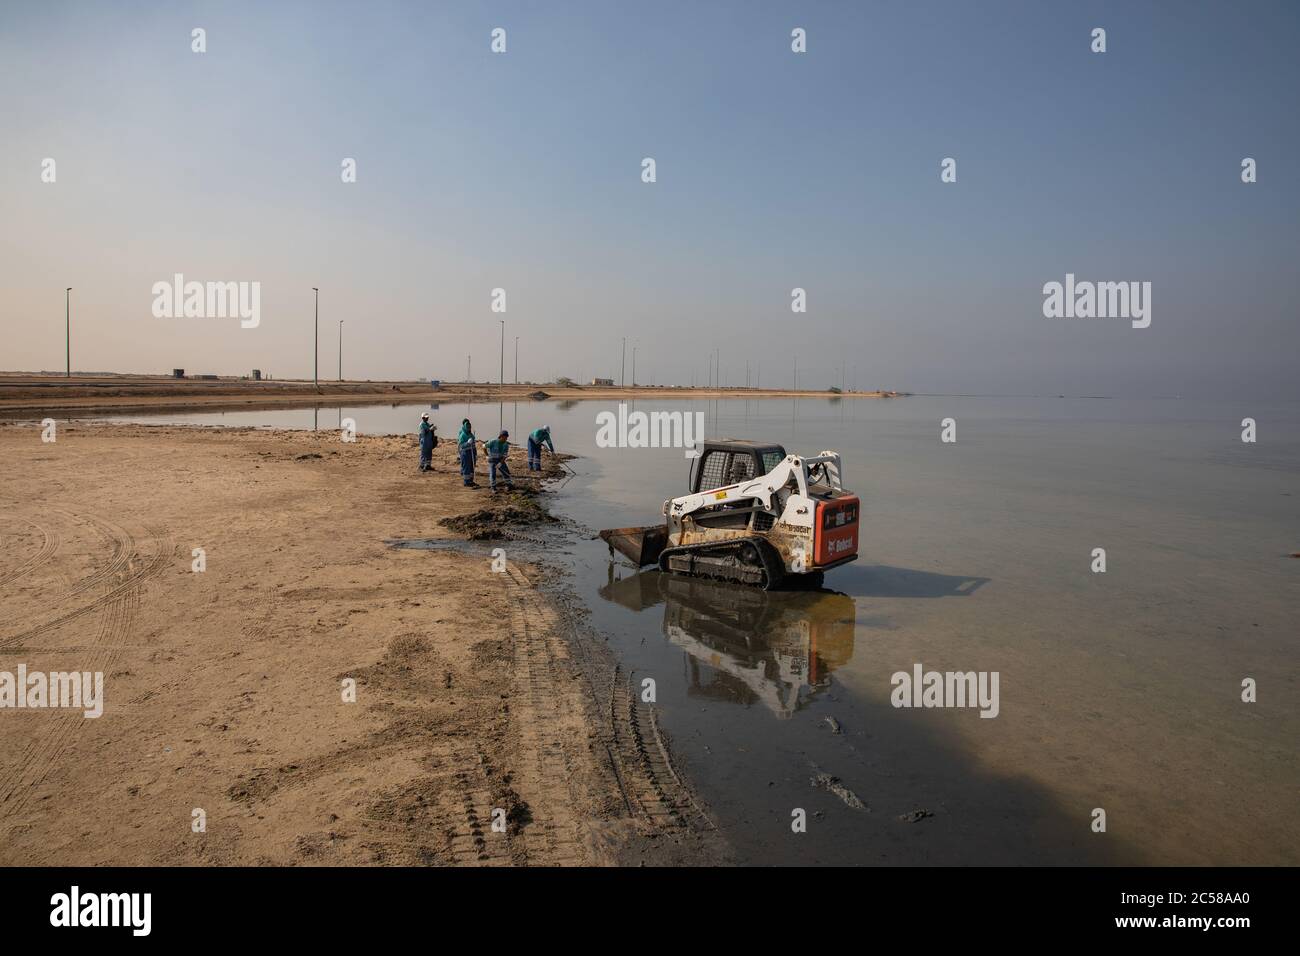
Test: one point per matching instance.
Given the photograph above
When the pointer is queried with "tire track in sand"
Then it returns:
(123, 576)
(49, 545)
(640, 758)
(544, 686)
(49, 743)
(455, 805)
(649, 778)
(121, 545)
(131, 572)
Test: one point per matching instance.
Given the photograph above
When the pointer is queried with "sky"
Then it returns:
(775, 170)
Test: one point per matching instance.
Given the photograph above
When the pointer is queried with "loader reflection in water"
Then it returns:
(742, 644)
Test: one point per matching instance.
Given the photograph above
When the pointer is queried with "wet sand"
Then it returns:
(224, 690)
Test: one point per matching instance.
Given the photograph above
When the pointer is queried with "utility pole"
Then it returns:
(746, 375)
(315, 359)
(634, 365)
(516, 360)
(340, 350)
(622, 369)
(67, 328)
(469, 364)
(796, 373)
(503, 351)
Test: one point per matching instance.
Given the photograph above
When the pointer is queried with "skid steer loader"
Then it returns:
(754, 515)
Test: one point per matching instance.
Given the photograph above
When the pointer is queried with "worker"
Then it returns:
(467, 448)
(497, 450)
(428, 441)
(539, 437)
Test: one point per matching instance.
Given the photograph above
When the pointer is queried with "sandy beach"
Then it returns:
(477, 697)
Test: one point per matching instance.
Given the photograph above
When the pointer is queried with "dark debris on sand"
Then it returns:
(515, 509)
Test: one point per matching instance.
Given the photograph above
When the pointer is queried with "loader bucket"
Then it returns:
(641, 546)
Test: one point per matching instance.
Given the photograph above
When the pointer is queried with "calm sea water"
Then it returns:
(1118, 691)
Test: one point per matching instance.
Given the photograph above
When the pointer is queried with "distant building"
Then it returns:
(257, 375)
(178, 373)
(602, 381)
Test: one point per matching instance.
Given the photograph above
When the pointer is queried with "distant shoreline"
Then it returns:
(88, 394)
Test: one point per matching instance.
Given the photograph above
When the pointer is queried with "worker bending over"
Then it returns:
(497, 450)
(539, 437)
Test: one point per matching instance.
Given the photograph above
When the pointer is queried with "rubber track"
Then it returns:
(772, 566)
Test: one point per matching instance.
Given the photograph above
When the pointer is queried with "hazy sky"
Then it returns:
(522, 170)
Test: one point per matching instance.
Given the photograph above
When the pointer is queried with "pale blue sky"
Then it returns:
(775, 170)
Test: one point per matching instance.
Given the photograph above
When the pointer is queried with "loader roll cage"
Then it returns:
(760, 498)
(729, 461)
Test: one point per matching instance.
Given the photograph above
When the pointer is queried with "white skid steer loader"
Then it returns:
(754, 515)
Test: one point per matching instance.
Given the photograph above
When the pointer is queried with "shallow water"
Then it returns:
(1119, 691)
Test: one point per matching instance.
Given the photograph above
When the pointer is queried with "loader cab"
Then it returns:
(730, 461)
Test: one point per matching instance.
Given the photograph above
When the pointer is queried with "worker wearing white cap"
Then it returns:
(538, 438)
(428, 441)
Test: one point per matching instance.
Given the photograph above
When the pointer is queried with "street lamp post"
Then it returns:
(315, 358)
(634, 366)
(67, 328)
(516, 360)
(503, 351)
(622, 367)
(340, 350)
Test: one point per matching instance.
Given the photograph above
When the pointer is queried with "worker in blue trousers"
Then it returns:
(497, 450)
(428, 442)
(539, 437)
(466, 447)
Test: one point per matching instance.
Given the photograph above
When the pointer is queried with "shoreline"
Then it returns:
(475, 691)
(90, 394)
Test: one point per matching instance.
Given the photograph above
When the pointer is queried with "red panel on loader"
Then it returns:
(835, 530)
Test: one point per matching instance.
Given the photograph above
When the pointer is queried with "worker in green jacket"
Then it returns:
(428, 442)
(497, 450)
(467, 449)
